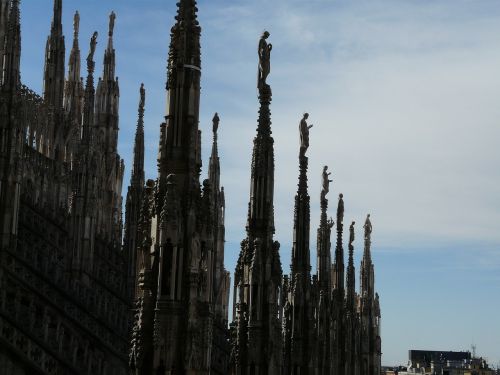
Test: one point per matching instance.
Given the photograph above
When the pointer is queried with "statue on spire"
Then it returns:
(143, 96)
(215, 123)
(325, 182)
(351, 234)
(90, 57)
(264, 59)
(368, 227)
(93, 44)
(340, 209)
(304, 134)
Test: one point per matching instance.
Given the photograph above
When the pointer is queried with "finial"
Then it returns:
(112, 18)
(76, 24)
(215, 123)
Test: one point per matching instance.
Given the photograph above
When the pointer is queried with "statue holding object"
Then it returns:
(325, 182)
(264, 52)
(304, 134)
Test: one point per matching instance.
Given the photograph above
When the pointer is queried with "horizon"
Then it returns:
(406, 121)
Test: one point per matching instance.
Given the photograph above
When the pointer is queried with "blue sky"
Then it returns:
(405, 101)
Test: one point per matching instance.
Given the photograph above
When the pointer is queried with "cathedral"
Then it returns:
(94, 284)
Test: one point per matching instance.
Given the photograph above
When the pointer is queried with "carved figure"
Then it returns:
(340, 209)
(264, 52)
(143, 96)
(93, 43)
(304, 134)
(351, 233)
(325, 181)
(215, 123)
(368, 227)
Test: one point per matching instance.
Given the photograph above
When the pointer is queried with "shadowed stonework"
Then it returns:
(83, 293)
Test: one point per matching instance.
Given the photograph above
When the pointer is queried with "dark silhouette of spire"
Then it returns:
(89, 96)
(338, 294)
(74, 90)
(351, 277)
(256, 290)
(324, 283)
(367, 273)
(179, 147)
(300, 253)
(109, 54)
(339, 249)
(134, 201)
(137, 176)
(298, 319)
(4, 22)
(11, 75)
(53, 81)
(214, 163)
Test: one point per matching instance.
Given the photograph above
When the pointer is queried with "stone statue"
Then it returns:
(264, 52)
(215, 123)
(325, 181)
(351, 233)
(340, 209)
(368, 227)
(93, 43)
(143, 96)
(304, 134)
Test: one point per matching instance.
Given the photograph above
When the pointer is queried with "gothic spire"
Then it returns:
(54, 60)
(257, 289)
(137, 178)
(4, 21)
(73, 89)
(300, 252)
(11, 75)
(214, 163)
(188, 29)
(351, 277)
(109, 54)
(339, 250)
(324, 256)
(57, 18)
(298, 325)
(367, 277)
(74, 56)
(89, 96)
(180, 148)
(260, 221)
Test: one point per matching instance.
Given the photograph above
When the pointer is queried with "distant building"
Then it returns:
(429, 362)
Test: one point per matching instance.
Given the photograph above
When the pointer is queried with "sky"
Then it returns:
(405, 101)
